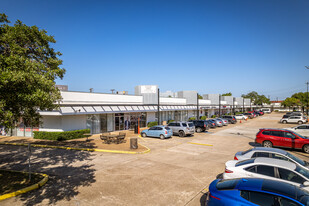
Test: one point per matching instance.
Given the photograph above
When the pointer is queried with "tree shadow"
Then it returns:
(67, 169)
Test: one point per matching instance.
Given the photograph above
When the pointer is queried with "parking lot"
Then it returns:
(177, 171)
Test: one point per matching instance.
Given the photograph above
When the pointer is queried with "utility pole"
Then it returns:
(158, 106)
(307, 97)
(197, 109)
(219, 105)
(243, 105)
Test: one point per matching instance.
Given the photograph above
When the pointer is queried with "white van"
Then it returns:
(266, 110)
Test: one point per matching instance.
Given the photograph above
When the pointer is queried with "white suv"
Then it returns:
(294, 119)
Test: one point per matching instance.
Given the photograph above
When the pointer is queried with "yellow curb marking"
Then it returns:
(27, 189)
(81, 149)
(200, 144)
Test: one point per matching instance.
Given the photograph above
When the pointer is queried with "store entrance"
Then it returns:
(119, 121)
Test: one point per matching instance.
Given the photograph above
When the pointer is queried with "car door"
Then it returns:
(275, 137)
(287, 140)
(158, 131)
(293, 120)
(290, 176)
(151, 131)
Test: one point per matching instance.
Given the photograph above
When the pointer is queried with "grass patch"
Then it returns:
(11, 181)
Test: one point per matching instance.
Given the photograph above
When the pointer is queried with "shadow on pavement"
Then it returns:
(253, 144)
(203, 199)
(67, 170)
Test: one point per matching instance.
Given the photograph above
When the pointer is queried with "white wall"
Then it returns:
(73, 122)
(204, 101)
(51, 123)
(98, 98)
(151, 117)
(173, 101)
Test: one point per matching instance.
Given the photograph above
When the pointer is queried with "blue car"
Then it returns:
(157, 131)
(254, 191)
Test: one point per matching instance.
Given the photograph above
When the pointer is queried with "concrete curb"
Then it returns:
(27, 189)
(81, 149)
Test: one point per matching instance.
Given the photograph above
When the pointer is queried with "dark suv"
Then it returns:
(282, 138)
(200, 125)
(229, 118)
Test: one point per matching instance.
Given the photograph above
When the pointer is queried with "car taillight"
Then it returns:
(217, 198)
(233, 118)
(165, 131)
(235, 158)
(204, 125)
(228, 171)
(220, 122)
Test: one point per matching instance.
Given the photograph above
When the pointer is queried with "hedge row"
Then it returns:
(75, 134)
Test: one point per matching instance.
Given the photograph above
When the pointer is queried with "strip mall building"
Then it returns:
(114, 112)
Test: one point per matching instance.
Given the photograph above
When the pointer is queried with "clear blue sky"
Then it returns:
(213, 46)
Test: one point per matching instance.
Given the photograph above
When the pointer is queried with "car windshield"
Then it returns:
(301, 136)
(167, 128)
(245, 152)
(296, 159)
(244, 162)
(190, 124)
(302, 171)
(227, 184)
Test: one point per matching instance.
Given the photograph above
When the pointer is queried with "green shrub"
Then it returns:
(75, 134)
(276, 110)
(151, 124)
(213, 116)
(169, 121)
(192, 118)
(203, 118)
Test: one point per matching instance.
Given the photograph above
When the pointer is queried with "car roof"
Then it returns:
(278, 129)
(267, 149)
(273, 186)
(275, 162)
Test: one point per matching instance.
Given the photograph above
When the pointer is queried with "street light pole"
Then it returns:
(307, 97)
(219, 105)
(197, 109)
(158, 106)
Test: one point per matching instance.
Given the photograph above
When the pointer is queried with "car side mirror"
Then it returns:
(306, 183)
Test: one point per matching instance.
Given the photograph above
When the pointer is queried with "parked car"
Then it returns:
(301, 129)
(294, 119)
(218, 123)
(224, 121)
(157, 131)
(260, 112)
(241, 117)
(231, 119)
(282, 138)
(270, 153)
(289, 114)
(212, 123)
(249, 115)
(266, 168)
(255, 191)
(200, 125)
(266, 110)
(182, 128)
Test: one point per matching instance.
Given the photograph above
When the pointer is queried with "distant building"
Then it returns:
(168, 94)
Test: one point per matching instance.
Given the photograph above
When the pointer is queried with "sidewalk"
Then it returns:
(94, 142)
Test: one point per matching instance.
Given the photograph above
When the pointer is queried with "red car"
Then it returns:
(282, 138)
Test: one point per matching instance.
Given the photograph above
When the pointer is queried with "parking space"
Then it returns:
(177, 171)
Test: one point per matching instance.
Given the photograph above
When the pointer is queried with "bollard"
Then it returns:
(133, 143)
(239, 121)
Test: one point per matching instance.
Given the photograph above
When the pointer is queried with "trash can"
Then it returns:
(136, 129)
(133, 143)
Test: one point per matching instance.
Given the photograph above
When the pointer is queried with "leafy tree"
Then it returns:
(256, 99)
(227, 94)
(291, 102)
(28, 69)
(200, 97)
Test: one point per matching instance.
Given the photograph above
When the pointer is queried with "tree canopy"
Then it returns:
(28, 69)
(227, 94)
(200, 96)
(291, 102)
(256, 99)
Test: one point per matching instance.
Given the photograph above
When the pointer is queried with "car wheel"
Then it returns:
(198, 130)
(162, 136)
(300, 122)
(144, 135)
(181, 134)
(306, 148)
(267, 144)
(284, 121)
